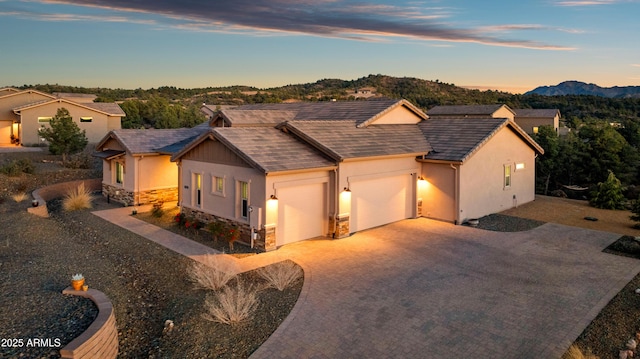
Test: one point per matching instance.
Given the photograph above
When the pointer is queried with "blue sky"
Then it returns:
(510, 45)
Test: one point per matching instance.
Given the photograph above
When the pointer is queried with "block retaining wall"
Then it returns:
(100, 340)
(47, 193)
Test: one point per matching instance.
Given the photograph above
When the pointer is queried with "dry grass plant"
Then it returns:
(19, 196)
(77, 198)
(232, 304)
(280, 275)
(215, 271)
(575, 353)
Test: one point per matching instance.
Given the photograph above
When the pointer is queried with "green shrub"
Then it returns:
(17, 167)
(608, 194)
(79, 160)
(157, 210)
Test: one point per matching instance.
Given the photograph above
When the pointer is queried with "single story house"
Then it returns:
(531, 119)
(136, 166)
(289, 172)
(23, 113)
(472, 111)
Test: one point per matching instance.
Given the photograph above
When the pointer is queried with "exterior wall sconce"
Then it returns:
(273, 197)
(346, 189)
(421, 178)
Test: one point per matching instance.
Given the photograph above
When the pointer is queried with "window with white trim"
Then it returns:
(119, 169)
(44, 119)
(243, 198)
(217, 185)
(86, 119)
(197, 189)
(507, 176)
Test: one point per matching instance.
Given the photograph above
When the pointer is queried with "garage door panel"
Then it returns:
(301, 213)
(380, 201)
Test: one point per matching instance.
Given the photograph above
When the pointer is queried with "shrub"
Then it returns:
(608, 194)
(575, 353)
(77, 198)
(180, 219)
(281, 275)
(216, 228)
(232, 304)
(17, 167)
(214, 272)
(19, 196)
(78, 160)
(157, 210)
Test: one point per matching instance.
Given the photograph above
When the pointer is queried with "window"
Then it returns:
(519, 166)
(44, 119)
(507, 176)
(535, 129)
(244, 200)
(197, 188)
(119, 173)
(217, 185)
(86, 119)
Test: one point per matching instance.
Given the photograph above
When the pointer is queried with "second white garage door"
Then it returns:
(380, 201)
(302, 213)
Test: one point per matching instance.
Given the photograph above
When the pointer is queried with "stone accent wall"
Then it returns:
(270, 237)
(123, 196)
(419, 212)
(100, 340)
(343, 226)
(245, 230)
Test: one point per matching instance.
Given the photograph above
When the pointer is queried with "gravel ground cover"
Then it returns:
(146, 283)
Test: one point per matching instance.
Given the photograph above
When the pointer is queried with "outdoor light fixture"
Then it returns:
(346, 189)
(273, 197)
(421, 178)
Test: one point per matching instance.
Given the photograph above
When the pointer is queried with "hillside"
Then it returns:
(581, 88)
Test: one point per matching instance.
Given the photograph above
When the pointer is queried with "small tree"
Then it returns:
(636, 213)
(64, 136)
(608, 194)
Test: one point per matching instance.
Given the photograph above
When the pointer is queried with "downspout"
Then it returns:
(456, 193)
(336, 203)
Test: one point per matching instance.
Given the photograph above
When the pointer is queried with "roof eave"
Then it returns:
(301, 170)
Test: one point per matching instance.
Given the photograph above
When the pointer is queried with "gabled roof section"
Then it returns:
(28, 92)
(343, 140)
(109, 109)
(361, 112)
(7, 90)
(469, 110)
(264, 148)
(457, 139)
(540, 112)
(237, 117)
(151, 141)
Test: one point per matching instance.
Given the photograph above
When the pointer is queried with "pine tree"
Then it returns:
(608, 194)
(64, 135)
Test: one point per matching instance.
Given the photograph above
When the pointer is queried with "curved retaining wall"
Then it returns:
(100, 340)
(47, 193)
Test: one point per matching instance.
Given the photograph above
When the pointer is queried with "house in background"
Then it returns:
(136, 166)
(23, 113)
(289, 172)
(531, 119)
(472, 111)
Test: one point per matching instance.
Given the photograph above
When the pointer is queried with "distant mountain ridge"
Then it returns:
(581, 88)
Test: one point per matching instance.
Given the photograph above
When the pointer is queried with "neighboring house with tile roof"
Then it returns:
(289, 172)
(136, 166)
(531, 119)
(475, 111)
(23, 113)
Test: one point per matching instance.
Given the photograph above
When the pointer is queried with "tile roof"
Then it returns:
(471, 110)
(270, 149)
(236, 117)
(541, 112)
(154, 140)
(456, 139)
(107, 107)
(343, 140)
(358, 111)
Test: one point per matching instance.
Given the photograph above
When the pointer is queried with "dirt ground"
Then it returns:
(572, 212)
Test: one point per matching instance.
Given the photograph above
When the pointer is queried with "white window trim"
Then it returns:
(115, 173)
(238, 199)
(214, 185)
(504, 176)
(194, 189)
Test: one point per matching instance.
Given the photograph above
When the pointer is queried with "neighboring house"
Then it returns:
(210, 111)
(289, 172)
(474, 111)
(531, 119)
(23, 113)
(136, 163)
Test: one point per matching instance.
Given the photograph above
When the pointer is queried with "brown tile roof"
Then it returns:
(269, 149)
(458, 138)
(361, 112)
(470, 110)
(343, 140)
(541, 112)
(137, 141)
(111, 108)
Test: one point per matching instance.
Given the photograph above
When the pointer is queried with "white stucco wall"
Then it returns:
(482, 190)
(399, 115)
(156, 172)
(438, 191)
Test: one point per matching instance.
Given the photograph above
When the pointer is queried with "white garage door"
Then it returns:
(302, 213)
(5, 132)
(380, 201)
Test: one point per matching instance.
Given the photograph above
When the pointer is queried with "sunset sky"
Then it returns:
(508, 45)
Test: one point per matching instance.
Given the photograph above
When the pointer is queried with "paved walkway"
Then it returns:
(422, 288)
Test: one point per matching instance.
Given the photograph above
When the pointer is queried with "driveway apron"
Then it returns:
(426, 289)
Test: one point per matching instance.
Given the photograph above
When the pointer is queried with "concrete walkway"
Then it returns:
(426, 289)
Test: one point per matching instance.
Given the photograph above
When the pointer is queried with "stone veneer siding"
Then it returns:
(123, 196)
(343, 226)
(245, 230)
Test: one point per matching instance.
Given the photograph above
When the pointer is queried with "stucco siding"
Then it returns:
(95, 130)
(225, 204)
(503, 113)
(438, 191)
(11, 101)
(528, 124)
(157, 172)
(399, 115)
(482, 177)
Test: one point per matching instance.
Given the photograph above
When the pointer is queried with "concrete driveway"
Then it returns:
(426, 289)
